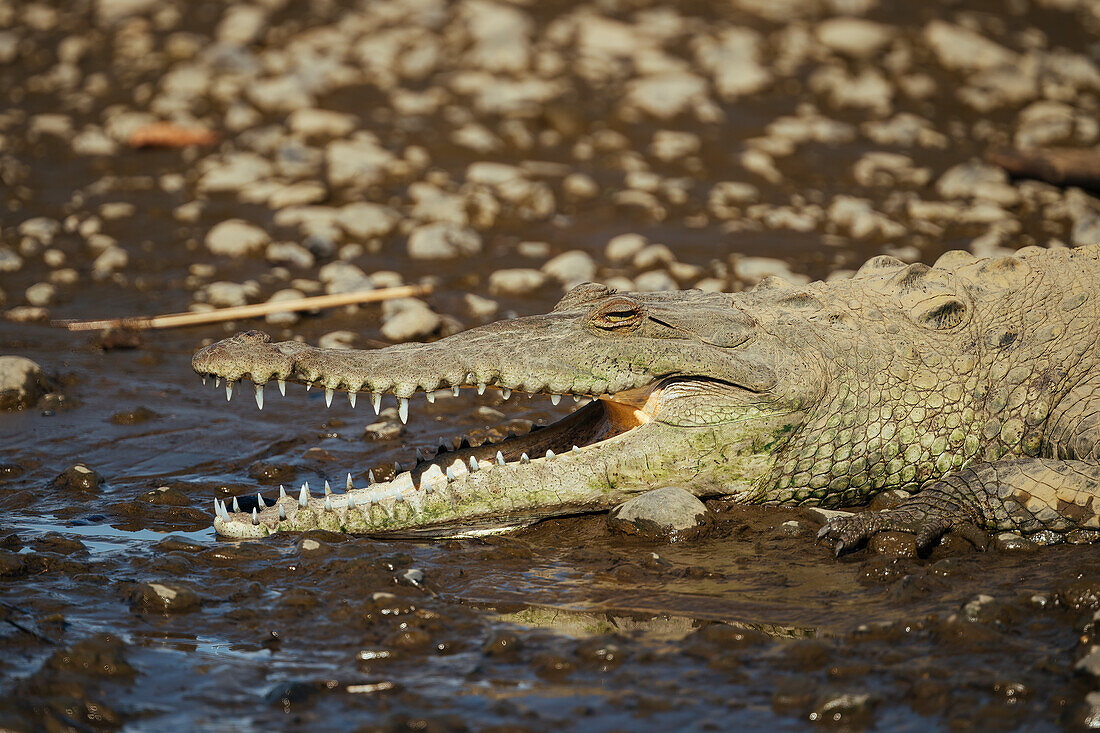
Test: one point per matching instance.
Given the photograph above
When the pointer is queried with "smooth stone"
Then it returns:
(164, 598)
(22, 382)
(516, 281)
(78, 478)
(236, 238)
(660, 512)
(442, 240)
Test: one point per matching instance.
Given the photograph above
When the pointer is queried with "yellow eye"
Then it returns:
(618, 313)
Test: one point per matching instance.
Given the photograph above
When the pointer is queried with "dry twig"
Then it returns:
(174, 320)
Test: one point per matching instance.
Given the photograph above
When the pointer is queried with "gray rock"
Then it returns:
(976, 179)
(854, 36)
(667, 95)
(21, 382)
(660, 512)
(961, 49)
(78, 478)
(9, 260)
(358, 162)
(112, 259)
(479, 307)
(233, 172)
(412, 322)
(516, 281)
(624, 247)
(236, 238)
(655, 281)
(571, 268)
(164, 598)
(223, 294)
(734, 61)
(40, 294)
(287, 318)
(344, 277)
(442, 240)
(289, 253)
(366, 220)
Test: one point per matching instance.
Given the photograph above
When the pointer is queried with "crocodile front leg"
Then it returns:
(1041, 497)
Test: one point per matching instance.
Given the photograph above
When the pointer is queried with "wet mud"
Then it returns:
(832, 143)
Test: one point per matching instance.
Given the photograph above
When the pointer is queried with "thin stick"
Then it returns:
(174, 320)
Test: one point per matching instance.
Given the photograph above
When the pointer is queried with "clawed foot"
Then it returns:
(850, 532)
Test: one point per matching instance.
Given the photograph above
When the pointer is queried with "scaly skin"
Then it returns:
(951, 382)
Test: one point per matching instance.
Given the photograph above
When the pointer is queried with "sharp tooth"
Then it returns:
(260, 396)
(524, 459)
(376, 402)
(396, 468)
(464, 443)
(348, 486)
(450, 474)
(481, 388)
(282, 492)
(217, 511)
(370, 477)
(351, 501)
(328, 396)
(549, 454)
(576, 398)
(260, 501)
(454, 391)
(282, 387)
(255, 519)
(505, 392)
(236, 506)
(473, 464)
(203, 380)
(328, 488)
(500, 459)
(351, 399)
(228, 391)
(430, 397)
(555, 399)
(282, 513)
(419, 455)
(328, 503)
(309, 386)
(303, 496)
(403, 410)
(217, 382)
(576, 449)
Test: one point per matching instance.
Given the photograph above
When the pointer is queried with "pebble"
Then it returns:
(289, 253)
(654, 281)
(313, 123)
(412, 322)
(9, 260)
(479, 307)
(22, 382)
(855, 37)
(660, 512)
(442, 240)
(223, 294)
(571, 268)
(164, 598)
(78, 478)
(366, 220)
(961, 49)
(40, 294)
(287, 318)
(236, 238)
(516, 281)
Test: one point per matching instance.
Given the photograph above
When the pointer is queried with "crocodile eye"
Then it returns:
(617, 313)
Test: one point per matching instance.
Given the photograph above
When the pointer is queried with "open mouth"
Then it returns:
(598, 420)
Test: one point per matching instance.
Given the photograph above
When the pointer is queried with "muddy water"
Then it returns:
(121, 609)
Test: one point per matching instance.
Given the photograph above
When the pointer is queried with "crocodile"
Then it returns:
(972, 384)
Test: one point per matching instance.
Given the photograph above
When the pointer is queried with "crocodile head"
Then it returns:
(685, 388)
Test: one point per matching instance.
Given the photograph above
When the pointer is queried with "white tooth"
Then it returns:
(282, 513)
(328, 489)
(576, 398)
(500, 459)
(236, 506)
(303, 496)
(549, 454)
(309, 386)
(203, 380)
(217, 511)
(473, 464)
(282, 387)
(481, 388)
(282, 492)
(505, 393)
(403, 410)
(351, 399)
(419, 455)
(376, 402)
(254, 518)
(576, 449)
(524, 459)
(228, 391)
(348, 486)
(370, 477)
(450, 474)
(555, 399)
(396, 469)
(328, 503)
(351, 501)
(217, 382)
(430, 397)
(260, 501)
(260, 396)
(328, 396)
(454, 391)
